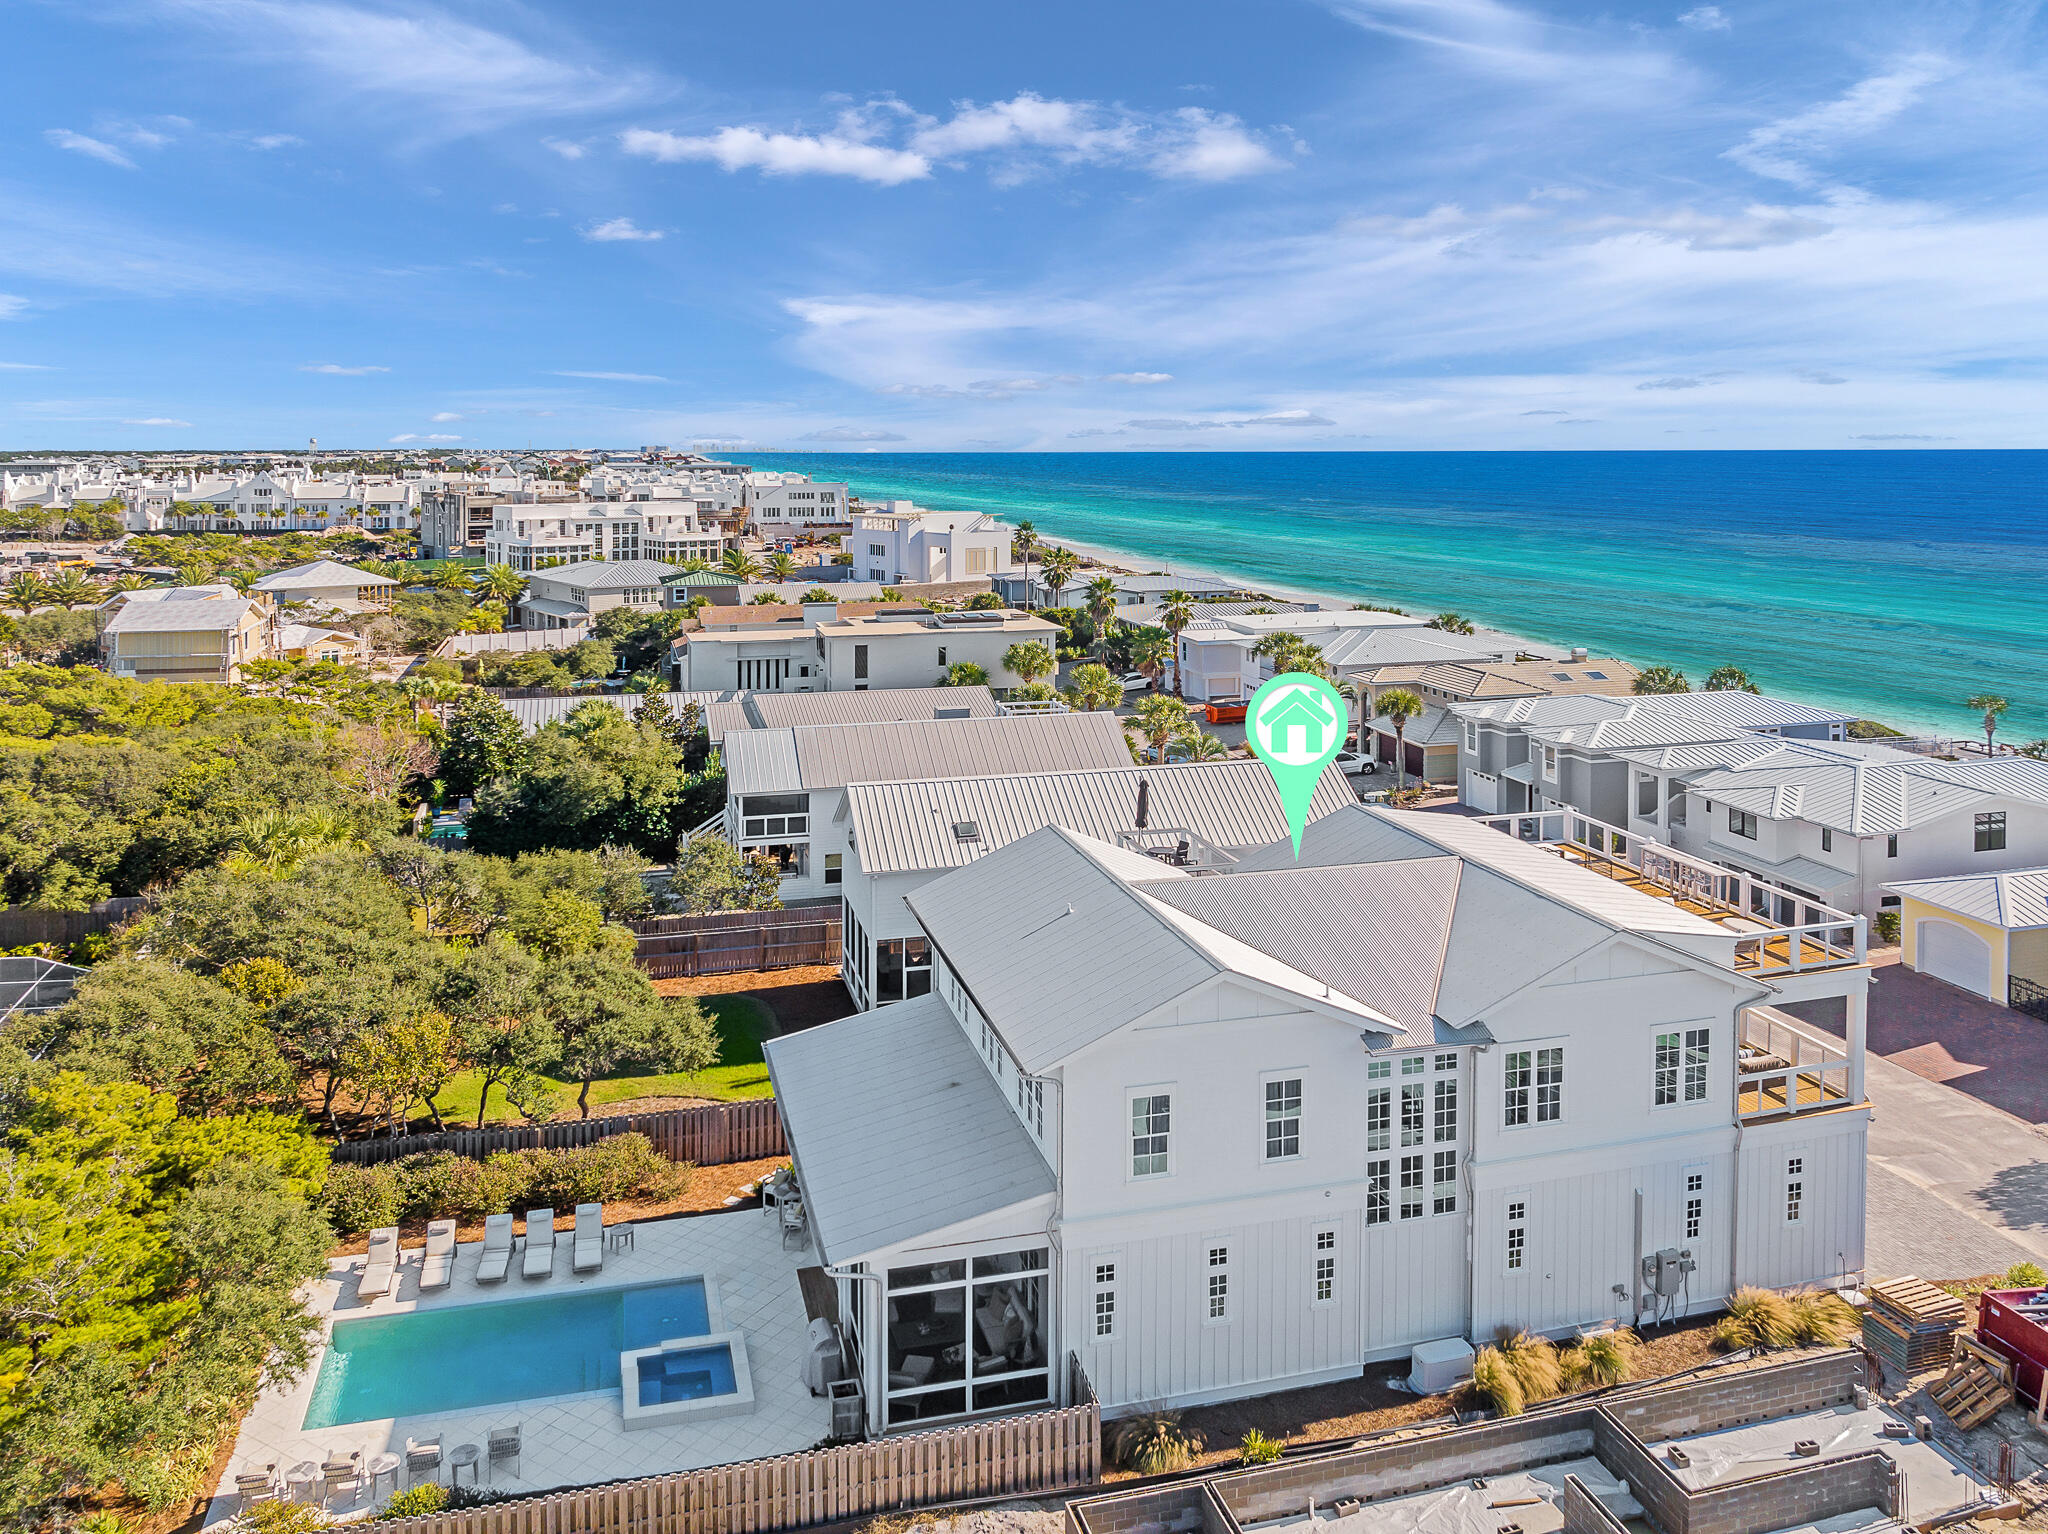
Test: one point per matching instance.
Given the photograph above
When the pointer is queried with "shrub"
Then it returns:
(1535, 1365)
(427, 1497)
(1495, 1384)
(1885, 926)
(2025, 1275)
(1255, 1448)
(1152, 1443)
(1822, 1316)
(1757, 1318)
(361, 1198)
(1608, 1358)
(279, 1517)
(502, 1180)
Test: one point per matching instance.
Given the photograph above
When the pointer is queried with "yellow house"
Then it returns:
(1987, 933)
(187, 634)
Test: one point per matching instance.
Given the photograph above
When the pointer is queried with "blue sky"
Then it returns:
(1272, 224)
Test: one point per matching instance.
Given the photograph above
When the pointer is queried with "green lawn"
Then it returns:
(743, 1022)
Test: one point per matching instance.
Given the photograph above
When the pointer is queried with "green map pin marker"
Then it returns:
(1296, 726)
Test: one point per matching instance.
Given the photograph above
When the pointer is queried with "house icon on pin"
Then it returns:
(1297, 726)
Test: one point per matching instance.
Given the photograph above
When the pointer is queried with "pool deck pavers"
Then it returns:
(572, 1440)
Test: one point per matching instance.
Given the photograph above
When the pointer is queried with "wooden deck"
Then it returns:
(1772, 953)
(1769, 1096)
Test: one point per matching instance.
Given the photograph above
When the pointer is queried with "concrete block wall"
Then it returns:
(1747, 1395)
(1654, 1486)
(1585, 1513)
(1186, 1508)
(1409, 1465)
(1802, 1497)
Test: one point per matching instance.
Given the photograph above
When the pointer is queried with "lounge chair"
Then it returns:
(381, 1267)
(497, 1255)
(437, 1268)
(588, 1248)
(504, 1445)
(540, 1244)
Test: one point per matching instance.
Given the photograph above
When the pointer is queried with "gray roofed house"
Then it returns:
(786, 710)
(924, 1095)
(834, 755)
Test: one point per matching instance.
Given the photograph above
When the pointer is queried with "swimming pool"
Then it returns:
(462, 1356)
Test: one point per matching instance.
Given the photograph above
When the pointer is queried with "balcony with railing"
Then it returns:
(1786, 1066)
(1779, 931)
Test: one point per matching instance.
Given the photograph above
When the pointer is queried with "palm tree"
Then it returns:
(1159, 720)
(1030, 660)
(695, 566)
(451, 577)
(1176, 613)
(500, 583)
(1730, 679)
(240, 580)
(1092, 688)
(1991, 706)
(1290, 652)
(1150, 650)
(1195, 746)
(782, 567)
(1102, 604)
(1021, 544)
(1059, 566)
(1400, 705)
(964, 673)
(741, 564)
(70, 589)
(1661, 679)
(1450, 623)
(127, 580)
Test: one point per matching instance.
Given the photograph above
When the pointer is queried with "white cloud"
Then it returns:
(1487, 37)
(614, 229)
(566, 149)
(1137, 378)
(1273, 418)
(336, 370)
(276, 141)
(1818, 376)
(781, 154)
(24, 367)
(450, 73)
(444, 415)
(98, 149)
(411, 436)
(1018, 137)
(156, 420)
(12, 304)
(850, 434)
(1706, 18)
(613, 377)
(1672, 383)
(1780, 150)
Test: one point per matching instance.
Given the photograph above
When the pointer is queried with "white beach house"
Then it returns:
(1222, 1133)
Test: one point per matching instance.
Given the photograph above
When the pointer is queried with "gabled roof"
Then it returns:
(608, 574)
(2015, 899)
(1862, 797)
(909, 827)
(182, 612)
(319, 574)
(1359, 649)
(834, 755)
(903, 1081)
(1432, 727)
(784, 710)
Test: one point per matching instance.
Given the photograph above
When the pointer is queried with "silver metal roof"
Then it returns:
(2015, 900)
(1860, 797)
(909, 827)
(1434, 726)
(888, 751)
(209, 614)
(1347, 836)
(607, 574)
(903, 1083)
(784, 710)
(318, 575)
(532, 713)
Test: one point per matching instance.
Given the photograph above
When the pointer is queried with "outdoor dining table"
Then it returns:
(463, 1456)
(382, 1465)
(302, 1477)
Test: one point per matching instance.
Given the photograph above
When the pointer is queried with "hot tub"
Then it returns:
(686, 1379)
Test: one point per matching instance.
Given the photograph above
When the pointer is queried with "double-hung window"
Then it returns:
(1283, 1118)
(1219, 1284)
(1679, 1071)
(1411, 1187)
(1695, 1204)
(1412, 1113)
(1379, 1118)
(1379, 1180)
(1517, 1244)
(1795, 1189)
(1444, 1183)
(1535, 1086)
(1990, 830)
(1104, 1300)
(1444, 1131)
(1151, 1134)
(1326, 1266)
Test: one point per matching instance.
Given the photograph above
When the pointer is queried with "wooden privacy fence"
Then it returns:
(1044, 1451)
(724, 942)
(21, 925)
(708, 1136)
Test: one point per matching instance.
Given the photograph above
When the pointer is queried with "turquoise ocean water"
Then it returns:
(1896, 583)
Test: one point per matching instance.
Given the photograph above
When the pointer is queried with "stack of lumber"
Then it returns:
(1975, 1387)
(1911, 1325)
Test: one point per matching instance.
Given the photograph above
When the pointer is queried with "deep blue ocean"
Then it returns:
(1897, 583)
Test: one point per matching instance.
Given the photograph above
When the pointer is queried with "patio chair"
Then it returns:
(257, 1486)
(504, 1445)
(540, 1244)
(587, 1248)
(422, 1454)
(337, 1473)
(437, 1268)
(795, 1223)
(497, 1254)
(381, 1266)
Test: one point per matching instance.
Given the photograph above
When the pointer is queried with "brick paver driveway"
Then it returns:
(1945, 1034)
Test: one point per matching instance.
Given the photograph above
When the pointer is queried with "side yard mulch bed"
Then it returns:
(801, 997)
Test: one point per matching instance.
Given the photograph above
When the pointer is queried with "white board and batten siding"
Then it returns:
(1827, 1237)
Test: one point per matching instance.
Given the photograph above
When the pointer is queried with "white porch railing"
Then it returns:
(1177, 846)
(1787, 1066)
(713, 826)
(1781, 931)
(1036, 706)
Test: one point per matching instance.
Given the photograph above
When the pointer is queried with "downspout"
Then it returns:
(1472, 1203)
(867, 1337)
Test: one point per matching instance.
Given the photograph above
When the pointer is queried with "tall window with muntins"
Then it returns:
(1680, 1066)
(1990, 831)
(1219, 1283)
(1411, 1113)
(1379, 1180)
(1379, 1118)
(1795, 1189)
(1517, 1236)
(1151, 1134)
(1105, 1300)
(1695, 1204)
(1534, 1086)
(1445, 1128)
(1283, 1119)
(1326, 1266)
(1444, 1183)
(1411, 1187)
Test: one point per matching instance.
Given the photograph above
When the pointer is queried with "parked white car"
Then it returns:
(1134, 681)
(1352, 763)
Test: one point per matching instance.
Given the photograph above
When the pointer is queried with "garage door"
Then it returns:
(1957, 955)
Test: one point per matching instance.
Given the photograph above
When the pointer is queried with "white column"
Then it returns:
(1858, 1002)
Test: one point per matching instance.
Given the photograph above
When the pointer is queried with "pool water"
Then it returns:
(687, 1374)
(508, 1350)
